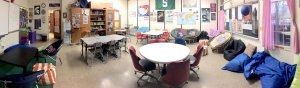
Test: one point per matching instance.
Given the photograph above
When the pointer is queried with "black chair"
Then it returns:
(52, 55)
(234, 48)
(21, 80)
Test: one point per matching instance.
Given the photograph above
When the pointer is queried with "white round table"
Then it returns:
(164, 53)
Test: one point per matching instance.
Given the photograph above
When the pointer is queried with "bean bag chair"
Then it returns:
(234, 48)
(219, 42)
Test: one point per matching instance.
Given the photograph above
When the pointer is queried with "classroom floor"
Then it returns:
(119, 72)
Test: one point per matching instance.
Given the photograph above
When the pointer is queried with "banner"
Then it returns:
(164, 4)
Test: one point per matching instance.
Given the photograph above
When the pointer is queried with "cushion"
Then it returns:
(183, 31)
(238, 63)
(250, 50)
(50, 49)
(49, 77)
(192, 33)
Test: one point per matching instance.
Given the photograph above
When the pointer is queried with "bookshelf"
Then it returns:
(98, 21)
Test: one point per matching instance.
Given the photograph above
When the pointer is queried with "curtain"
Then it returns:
(221, 20)
(291, 5)
(268, 32)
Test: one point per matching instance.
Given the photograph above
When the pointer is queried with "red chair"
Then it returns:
(195, 60)
(153, 41)
(141, 65)
(165, 37)
(177, 73)
(140, 36)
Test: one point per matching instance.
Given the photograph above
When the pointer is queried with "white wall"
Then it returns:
(170, 26)
(284, 55)
(44, 26)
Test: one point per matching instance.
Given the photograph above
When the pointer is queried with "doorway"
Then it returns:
(55, 24)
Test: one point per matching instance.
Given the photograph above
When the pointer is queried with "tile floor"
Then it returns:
(119, 72)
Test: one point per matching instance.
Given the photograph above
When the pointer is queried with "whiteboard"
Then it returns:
(4, 17)
(14, 17)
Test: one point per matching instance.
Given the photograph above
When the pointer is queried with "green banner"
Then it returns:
(164, 4)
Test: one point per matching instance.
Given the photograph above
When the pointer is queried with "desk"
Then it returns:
(19, 56)
(89, 41)
(164, 53)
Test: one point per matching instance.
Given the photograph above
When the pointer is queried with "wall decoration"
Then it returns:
(189, 3)
(164, 4)
(250, 22)
(43, 11)
(37, 10)
(43, 19)
(160, 16)
(23, 18)
(43, 5)
(37, 24)
(213, 7)
(169, 16)
(186, 18)
(143, 10)
(30, 16)
(65, 15)
(213, 16)
(76, 20)
(54, 4)
(153, 16)
(205, 14)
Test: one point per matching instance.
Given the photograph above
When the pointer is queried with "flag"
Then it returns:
(164, 4)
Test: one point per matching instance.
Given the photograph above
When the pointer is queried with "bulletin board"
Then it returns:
(4, 7)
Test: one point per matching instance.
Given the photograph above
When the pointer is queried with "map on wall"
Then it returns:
(186, 18)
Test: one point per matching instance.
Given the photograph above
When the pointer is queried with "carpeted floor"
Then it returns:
(118, 72)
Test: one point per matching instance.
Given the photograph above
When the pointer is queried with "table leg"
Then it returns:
(81, 48)
(86, 56)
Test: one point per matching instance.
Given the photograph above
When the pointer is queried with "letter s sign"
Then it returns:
(165, 3)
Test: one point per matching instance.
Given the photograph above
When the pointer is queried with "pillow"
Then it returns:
(250, 50)
(50, 49)
(238, 63)
(183, 31)
(192, 33)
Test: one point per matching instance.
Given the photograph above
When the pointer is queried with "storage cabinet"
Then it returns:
(80, 23)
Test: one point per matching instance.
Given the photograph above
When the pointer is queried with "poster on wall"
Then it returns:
(213, 16)
(160, 16)
(205, 14)
(37, 23)
(169, 17)
(186, 18)
(250, 21)
(189, 3)
(37, 10)
(164, 4)
(143, 10)
(30, 16)
(153, 16)
(132, 13)
(76, 20)
(23, 18)
(213, 7)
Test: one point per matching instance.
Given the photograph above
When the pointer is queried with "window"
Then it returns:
(281, 22)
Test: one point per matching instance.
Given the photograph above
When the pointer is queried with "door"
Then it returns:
(109, 22)
(51, 20)
(57, 24)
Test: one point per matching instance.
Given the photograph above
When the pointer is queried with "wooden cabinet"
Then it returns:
(80, 22)
(103, 21)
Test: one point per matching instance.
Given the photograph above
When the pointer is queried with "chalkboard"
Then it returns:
(4, 8)
(14, 17)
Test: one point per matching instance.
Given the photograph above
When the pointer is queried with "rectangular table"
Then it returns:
(19, 56)
(89, 41)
